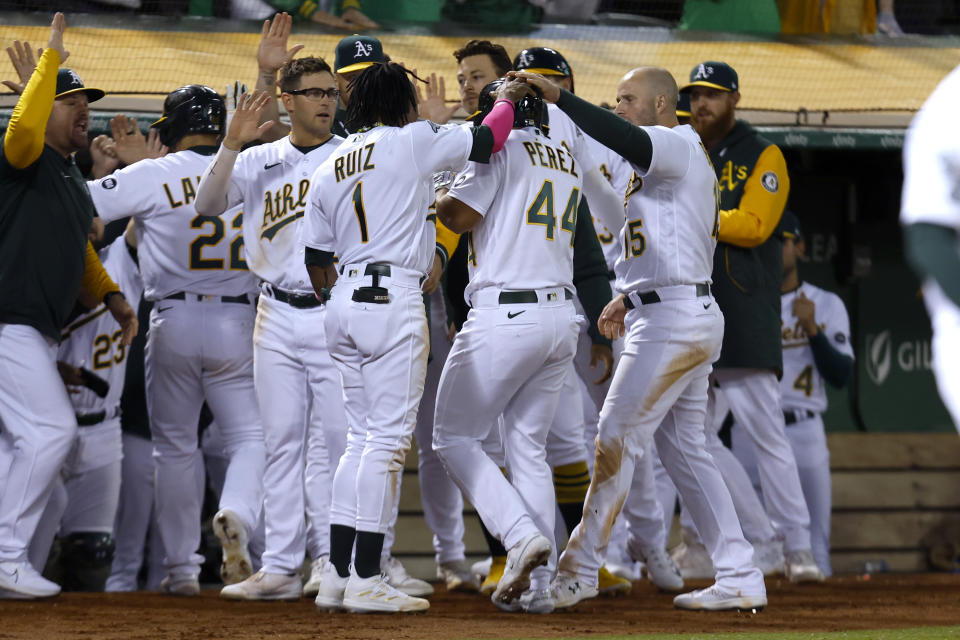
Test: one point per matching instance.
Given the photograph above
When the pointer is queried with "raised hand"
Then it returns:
(433, 106)
(272, 53)
(24, 62)
(104, 154)
(130, 144)
(512, 90)
(549, 91)
(155, 148)
(244, 126)
(358, 20)
(57, 28)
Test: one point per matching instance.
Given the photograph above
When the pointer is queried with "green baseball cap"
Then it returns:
(68, 82)
(355, 53)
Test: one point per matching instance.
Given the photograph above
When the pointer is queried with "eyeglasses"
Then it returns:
(314, 94)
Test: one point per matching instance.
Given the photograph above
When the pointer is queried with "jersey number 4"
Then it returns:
(198, 262)
(804, 381)
(541, 211)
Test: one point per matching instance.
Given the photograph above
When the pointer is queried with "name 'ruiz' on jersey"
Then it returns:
(367, 200)
(528, 196)
(179, 249)
(672, 215)
(92, 341)
(802, 385)
(272, 182)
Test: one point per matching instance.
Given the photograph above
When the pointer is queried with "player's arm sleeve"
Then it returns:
(932, 252)
(128, 192)
(627, 140)
(316, 232)
(835, 367)
(23, 140)
(590, 272)
(446, 242)
(605, 204)
(96, 281)
(471, 196)
(214, 189)
(761, 205)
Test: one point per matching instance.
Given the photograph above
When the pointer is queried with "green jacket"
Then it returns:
(747, 265)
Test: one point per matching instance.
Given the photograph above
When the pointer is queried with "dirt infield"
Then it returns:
(885, 601)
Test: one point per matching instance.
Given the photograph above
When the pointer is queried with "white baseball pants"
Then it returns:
(808, 440)
(441, 498)
(196, 350)
(509, 359)
(381, 352)
(301, 404)
(754, 399)
(659, 390)
(38, 430)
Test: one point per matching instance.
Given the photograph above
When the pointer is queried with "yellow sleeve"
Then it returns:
(446, 240)
(96, 281)
(761, 205)
(23, 141)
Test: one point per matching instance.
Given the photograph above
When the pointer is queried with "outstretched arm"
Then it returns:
(272, 54)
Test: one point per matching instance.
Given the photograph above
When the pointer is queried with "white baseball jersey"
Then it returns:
(367, 200)
(619, 172)
(801, 386)
(179, 249)
(272, 182)
(672, 215)
(528, 195)
(931, 160)
(92, 341)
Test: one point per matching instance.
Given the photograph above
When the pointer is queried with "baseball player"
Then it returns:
(673, 330)
(92, 360)
(521, 273)
(754, 184)
(816, 349)
(367, 203)
(930, 214)
(199, 345)
(295, 378)
(45, 262)
(644, 512)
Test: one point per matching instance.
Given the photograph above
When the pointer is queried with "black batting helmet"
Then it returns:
(545, 61)
(529, 111)
(191, 109)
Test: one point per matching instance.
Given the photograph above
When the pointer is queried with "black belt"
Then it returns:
(652, 297)
(295, 300)
(526, 297)
(180, 295)
(797, 415)
(373, 268)
(91, 419)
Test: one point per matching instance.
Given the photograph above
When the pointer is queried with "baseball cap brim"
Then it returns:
(703, 83)
(683, 114)
(355, 67)
(161, 120)
(546, 72)
(92, 94)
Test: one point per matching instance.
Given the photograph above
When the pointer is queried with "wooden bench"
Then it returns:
(892, 493)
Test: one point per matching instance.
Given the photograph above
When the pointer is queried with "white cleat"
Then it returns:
(20, 581)
(398, 577)
(713, 598)
(660, 568)
(232, 534)
(538, 601)
(693, 561)
(180, 584)
(376, 595)
(265, 586)
(457, 575)
(330, 588)
(768, 557)
(316, 572)
(568, 590)
(801, 567)
(525, 556)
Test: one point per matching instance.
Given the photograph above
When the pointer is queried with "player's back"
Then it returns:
(180, 250)
(371, 194)
(528, 194)
(672, 215)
